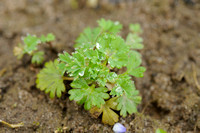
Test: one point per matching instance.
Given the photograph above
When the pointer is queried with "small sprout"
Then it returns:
(30, 47)
(14, 105)
(119, 128)
(61, 129)
(35, 123)
(159, 130)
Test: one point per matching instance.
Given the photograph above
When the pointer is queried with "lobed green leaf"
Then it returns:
(87, 38)
(74, 65)
(109, 26)
(89, 96)
(123, 85)
(133, 66)
(128, 104)
(50, 79)
(31, 42)
(134, 41)
(50, 37)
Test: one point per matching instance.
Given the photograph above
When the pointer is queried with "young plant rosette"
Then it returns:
(101, 70)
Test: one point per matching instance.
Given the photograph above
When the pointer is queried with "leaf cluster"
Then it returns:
(100, 53)
(30, 47)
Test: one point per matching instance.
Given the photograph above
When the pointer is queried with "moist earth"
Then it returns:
(169, 88)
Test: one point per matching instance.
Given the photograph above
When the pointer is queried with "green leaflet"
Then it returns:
(50, 37)
(38, 57)
(31, 43)
(65, 57)
(75, 64)
(102, 76)
(111, 77)
(135, 28)
(128, 103)
(50, 79)
(92, 55)
(138, 72)
(134, 41)
(87, 38)
(79, 58)
(62, 67)
(134, 60)
(123, 85)
(109, 26)
(115, 49)
(118, 60)
(79, 83)
(133, 66)
(90, 96)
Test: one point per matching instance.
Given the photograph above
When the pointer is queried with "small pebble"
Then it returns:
(119, 128)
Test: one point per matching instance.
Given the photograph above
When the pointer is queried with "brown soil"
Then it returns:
(170, 90)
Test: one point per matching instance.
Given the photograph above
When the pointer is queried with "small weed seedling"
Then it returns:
(159, 130)
(30, 47)
(94, 68)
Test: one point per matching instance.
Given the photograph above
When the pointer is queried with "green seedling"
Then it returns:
(30, 47)
(61, 130)
(101, 71)
(159, 130)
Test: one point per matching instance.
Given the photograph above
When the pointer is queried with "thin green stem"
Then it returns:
(105, 61)
(125, 73)
(68, 78)
(98, 36)
(92, 86)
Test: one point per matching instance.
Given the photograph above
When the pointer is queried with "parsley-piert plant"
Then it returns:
(101, 69)
(30, 47)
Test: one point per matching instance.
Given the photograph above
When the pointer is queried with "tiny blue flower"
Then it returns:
(119, 128)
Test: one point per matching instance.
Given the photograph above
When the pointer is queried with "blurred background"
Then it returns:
(170, 88)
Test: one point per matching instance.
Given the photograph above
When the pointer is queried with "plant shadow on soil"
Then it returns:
(169, 89)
